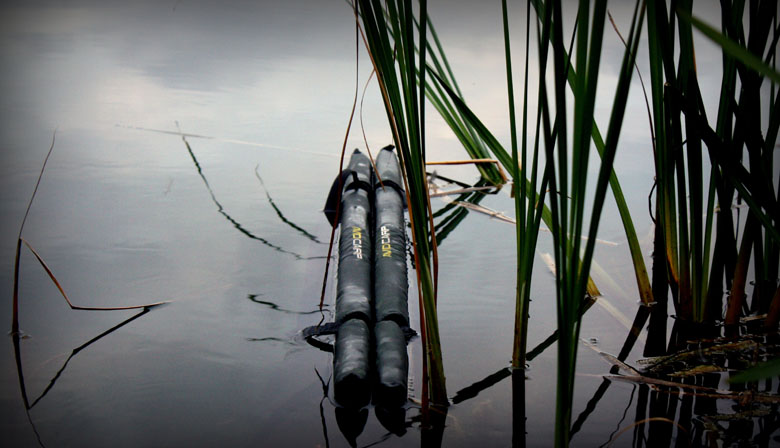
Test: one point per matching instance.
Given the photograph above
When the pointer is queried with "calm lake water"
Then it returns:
(128, 213)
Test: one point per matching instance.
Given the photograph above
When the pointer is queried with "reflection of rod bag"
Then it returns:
(390, 282)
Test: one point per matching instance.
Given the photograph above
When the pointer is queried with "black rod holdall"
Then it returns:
(351, 380)
(372, 285)
(391, 309)
(353, 294)
(351, 363)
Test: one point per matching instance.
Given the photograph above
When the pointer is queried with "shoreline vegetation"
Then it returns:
(703, 165)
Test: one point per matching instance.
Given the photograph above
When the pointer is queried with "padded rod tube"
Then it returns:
(390, 276)
(392, 364)
(354, 290)
(351, 385)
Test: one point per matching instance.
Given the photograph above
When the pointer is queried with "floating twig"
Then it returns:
(82, 308)
(742, 397)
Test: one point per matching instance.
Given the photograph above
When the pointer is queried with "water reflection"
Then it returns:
(518, 408)
(279, 212)
(255, 298)
(640, 319)
(235, 223)
(325, 387)
(352, 421)
(447, 218)
(682, 411)
(473, 390)
(20, 371)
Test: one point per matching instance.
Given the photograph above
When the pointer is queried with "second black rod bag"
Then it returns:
(391, 309)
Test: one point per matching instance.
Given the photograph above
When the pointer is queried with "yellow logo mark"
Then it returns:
(384, 241)
(357, 242)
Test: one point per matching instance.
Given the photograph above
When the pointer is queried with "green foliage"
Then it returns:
(701, 248)
(390, 32)
(699, 168)
(769, 369)
(567, 164)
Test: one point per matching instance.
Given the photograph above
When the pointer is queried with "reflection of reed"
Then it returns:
(518, 408)
(451, 215)
(279, 212)
(230, 219)
(325, 386)
(505, 372)
(254, 298)
(486, 383)
(518, 379)
(633, 334)
(678, 402)
(20, 372)
(22, 388)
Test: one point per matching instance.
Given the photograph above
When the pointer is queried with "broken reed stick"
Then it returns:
(703, 391)
(76, 307)
(472, 161)
(15, 318)
(20, 240)
(461, 191)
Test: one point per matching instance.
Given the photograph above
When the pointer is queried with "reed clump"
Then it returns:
(703, 166)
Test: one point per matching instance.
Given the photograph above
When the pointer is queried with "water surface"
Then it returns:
(130, 212)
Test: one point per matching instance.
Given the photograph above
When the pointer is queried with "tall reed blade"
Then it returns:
(568, 161)
(390, 35)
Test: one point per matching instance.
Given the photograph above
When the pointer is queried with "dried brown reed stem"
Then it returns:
(341, 166)
(15, 321)
(20, 240)
(70, 304)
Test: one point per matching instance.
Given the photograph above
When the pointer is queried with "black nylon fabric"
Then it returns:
(392, 364)
(351, 385)
(354, 290)
(390, 276)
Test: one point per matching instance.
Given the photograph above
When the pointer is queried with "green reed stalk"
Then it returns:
(567, 160)
(637, 257)
(476, 138)
(390, 34)
(698, 272)
(528, 213)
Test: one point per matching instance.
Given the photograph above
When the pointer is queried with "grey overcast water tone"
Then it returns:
(195, 146)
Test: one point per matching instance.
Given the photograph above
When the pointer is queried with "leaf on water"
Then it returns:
(705, 368)
(728, 348)
(749, 414)
(762, 371)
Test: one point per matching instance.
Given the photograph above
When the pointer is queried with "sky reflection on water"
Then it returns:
(124, 216)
